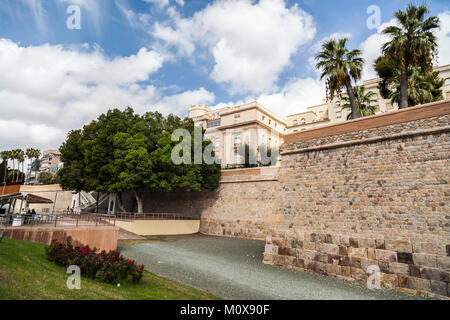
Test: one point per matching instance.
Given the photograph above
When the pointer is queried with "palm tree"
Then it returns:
(6, 155)
(364, 102)
(29, 154)
(20, 160)
(412, 43)
(340, 66)
(35, 154)
(13, 158)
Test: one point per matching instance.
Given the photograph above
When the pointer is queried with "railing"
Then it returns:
(143, 216)
(53, 220)
(80, 220)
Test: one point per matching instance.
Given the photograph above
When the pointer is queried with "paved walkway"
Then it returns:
(232, 269)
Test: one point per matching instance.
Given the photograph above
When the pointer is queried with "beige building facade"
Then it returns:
(230, 128)
(331, 112)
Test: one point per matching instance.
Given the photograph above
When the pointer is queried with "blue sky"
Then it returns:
(167, 54)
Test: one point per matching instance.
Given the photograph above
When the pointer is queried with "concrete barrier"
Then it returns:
(102, 238)
(159, 227)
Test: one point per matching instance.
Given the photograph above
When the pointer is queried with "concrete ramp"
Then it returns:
(159, 227)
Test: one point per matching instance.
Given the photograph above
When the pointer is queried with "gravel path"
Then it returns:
(233, 269)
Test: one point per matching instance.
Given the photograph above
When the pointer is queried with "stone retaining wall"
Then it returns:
(102, 238)
(377, 193)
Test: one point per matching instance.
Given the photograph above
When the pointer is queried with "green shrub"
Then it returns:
(110, 267)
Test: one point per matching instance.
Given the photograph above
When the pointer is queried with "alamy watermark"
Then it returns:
(74, 280)
(73, 22)
(374, 20)
(374, 279)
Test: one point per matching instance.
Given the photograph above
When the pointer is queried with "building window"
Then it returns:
(338, 104)
(217, 142)
(270, 121)
(338, 115)
(237, 139)
(237, 116)
(263, 118)
(303, 121)
(212, 124)
(295, 122)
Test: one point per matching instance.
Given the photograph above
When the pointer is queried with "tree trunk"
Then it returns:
(6, 171)
(351, 96)
(404, 88)
(120, 203)
(139, 200)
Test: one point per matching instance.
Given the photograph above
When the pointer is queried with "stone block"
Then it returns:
(403, 281)
(403, 246)
(395, 267)
(353, 242)
(434, 274)
(343, 250)
(414, 270)
(390, 244)
(365, 263)
(419, 284)
(321, 257)
(271, 249)
(366, 243)
(447, 249)
(405, 257)
(355, 262)
(371, 254)
(284, 251)
(268, 258)
(342, 240)
(300, 263)
(346, 271)
(423, 259)
(330, 248)
(439, 287)
(357, 252)
(309, 245)
(386, 255)
(344, 261)
(443, 263)
(379, 244)
(333, 259)
(359, 275)
(328, 238)
(389, 281)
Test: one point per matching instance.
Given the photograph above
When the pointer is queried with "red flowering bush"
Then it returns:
(108, 267)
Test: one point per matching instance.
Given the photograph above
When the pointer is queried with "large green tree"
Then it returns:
(423, 86)
(122, 151)
(340, 66)
(412, 43)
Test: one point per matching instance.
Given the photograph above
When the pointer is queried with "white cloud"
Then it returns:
(444, 39)
(250, 42)
(159, 3)
(295, 96)
(45, 91)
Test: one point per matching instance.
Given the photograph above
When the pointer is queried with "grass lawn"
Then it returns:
(25, 273)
